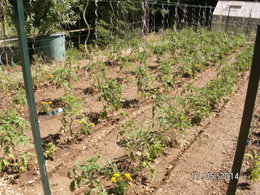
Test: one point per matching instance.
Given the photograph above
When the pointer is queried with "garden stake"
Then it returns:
(247, 115)
(23, 44)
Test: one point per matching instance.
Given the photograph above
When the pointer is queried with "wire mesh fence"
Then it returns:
(102, 22)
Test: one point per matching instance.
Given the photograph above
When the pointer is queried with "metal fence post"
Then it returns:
(247, 115)
(227, 20)
(248, 23)
(20, 25)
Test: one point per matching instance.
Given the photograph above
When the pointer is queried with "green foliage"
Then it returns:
(121, 183)
(254, 169)
(174, 114)
(7, 81)
(112, 94)
(98, 72)
(202, 101)
(199, 107)
(72, 110)
(74, 54)
(72, 107)
(64, 76)
(87, 174)
(39, 72)
(121, 16)
(59, 14)
(71, 103)
(93, 175)
(58, 75)
(160, 49)
(245, 59)
(7, 13)
(85, 124)
(45, 106)
(20, 97)
(12, 136)
(134, 44)
(165, 74)
(103, 30)
(144, 144)
(50, 150)
(144, 80)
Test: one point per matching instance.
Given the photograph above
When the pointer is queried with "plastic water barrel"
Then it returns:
(52, 46)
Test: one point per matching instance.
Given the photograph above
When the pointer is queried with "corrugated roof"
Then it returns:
(238, 8)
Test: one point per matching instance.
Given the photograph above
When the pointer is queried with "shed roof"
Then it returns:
(238, 9)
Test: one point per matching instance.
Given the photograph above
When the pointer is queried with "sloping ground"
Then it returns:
(213, 152)
(105, 139)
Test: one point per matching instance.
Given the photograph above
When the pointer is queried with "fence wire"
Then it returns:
(122, 19)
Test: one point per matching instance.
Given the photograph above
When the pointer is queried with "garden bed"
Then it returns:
(139, 107)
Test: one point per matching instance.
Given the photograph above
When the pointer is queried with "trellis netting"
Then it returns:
(99, 22)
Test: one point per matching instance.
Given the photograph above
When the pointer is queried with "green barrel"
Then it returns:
(52, 46)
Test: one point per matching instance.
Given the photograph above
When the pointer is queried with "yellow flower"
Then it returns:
(113, 179)
(128, 176)
(116, 175)
(80, 122)
(92, 124)
(51, 76)
(49, 102)
(42, 102)
(120, 178)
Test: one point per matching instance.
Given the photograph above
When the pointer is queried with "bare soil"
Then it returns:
(205, 148)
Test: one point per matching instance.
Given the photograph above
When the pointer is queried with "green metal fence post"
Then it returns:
(247, 115)
(20, 25)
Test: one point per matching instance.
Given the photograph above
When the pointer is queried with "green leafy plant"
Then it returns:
(121, 183)
(39, 71)
(144, 145)
(12, 135)
(85, 125)
(7, 81)
(135, 45)
(116, 50)
(159, 50)
(50, 150)
(72, 53)
(72, 107)
(144, 81)
(175, 114)
(64, 76)
(45, 106)
(60, 13)
(112, 94)
(94, 175)
(98, 72)
(254, 169)
(87, 173)
(244, 60)
(20, 97)
(165, 74)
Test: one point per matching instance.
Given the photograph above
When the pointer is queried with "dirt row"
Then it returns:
(213, 152)
(105, 138)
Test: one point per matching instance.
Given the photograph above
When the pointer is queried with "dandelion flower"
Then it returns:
(113, 179)
(120, 179)
(92, 124)
(42, 102)
(116, 175)
(49, 102)
(51, 76)
(128, 176)
(80, 122)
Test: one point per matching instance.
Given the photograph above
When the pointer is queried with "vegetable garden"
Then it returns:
(126, 105)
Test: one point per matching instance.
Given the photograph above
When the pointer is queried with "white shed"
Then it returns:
(236, 16)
